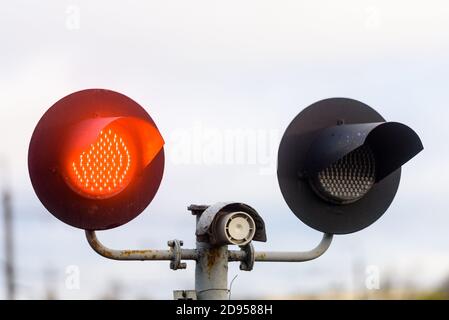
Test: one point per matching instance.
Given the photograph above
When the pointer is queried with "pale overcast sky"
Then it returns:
(207, 70)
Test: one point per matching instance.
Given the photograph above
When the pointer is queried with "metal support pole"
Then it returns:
(211, 272)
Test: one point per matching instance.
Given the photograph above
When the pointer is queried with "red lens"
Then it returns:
(105, 168)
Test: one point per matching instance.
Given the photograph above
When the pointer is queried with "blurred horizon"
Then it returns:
(220, 79)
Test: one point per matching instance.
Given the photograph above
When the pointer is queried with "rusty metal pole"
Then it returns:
(211, 272)
(211, 269)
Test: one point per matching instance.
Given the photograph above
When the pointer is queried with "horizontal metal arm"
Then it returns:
(149, 254)
(176, 254)
(280, 256)
(297, 256)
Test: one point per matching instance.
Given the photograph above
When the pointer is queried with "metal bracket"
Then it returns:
(175, 246)
(184, 295)
(174, 255)
(247, 255)
(247, 263)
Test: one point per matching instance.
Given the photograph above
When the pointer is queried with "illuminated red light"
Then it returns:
(104, 169)
(102, 155)
(96, 159)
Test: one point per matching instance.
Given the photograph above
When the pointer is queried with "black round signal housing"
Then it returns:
(96, 159)
(339, 164)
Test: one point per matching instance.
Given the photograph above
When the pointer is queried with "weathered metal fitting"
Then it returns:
(247, 263)
(175, 246)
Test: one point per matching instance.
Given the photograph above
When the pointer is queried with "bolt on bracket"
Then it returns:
(247, 263)
(175, 246)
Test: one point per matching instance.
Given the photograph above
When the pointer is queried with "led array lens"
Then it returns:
(104, 168)
(348, 179)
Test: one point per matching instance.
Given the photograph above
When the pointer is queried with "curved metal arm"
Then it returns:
(280, 256)
(172, 254)
(176, 254)
(297, 256)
